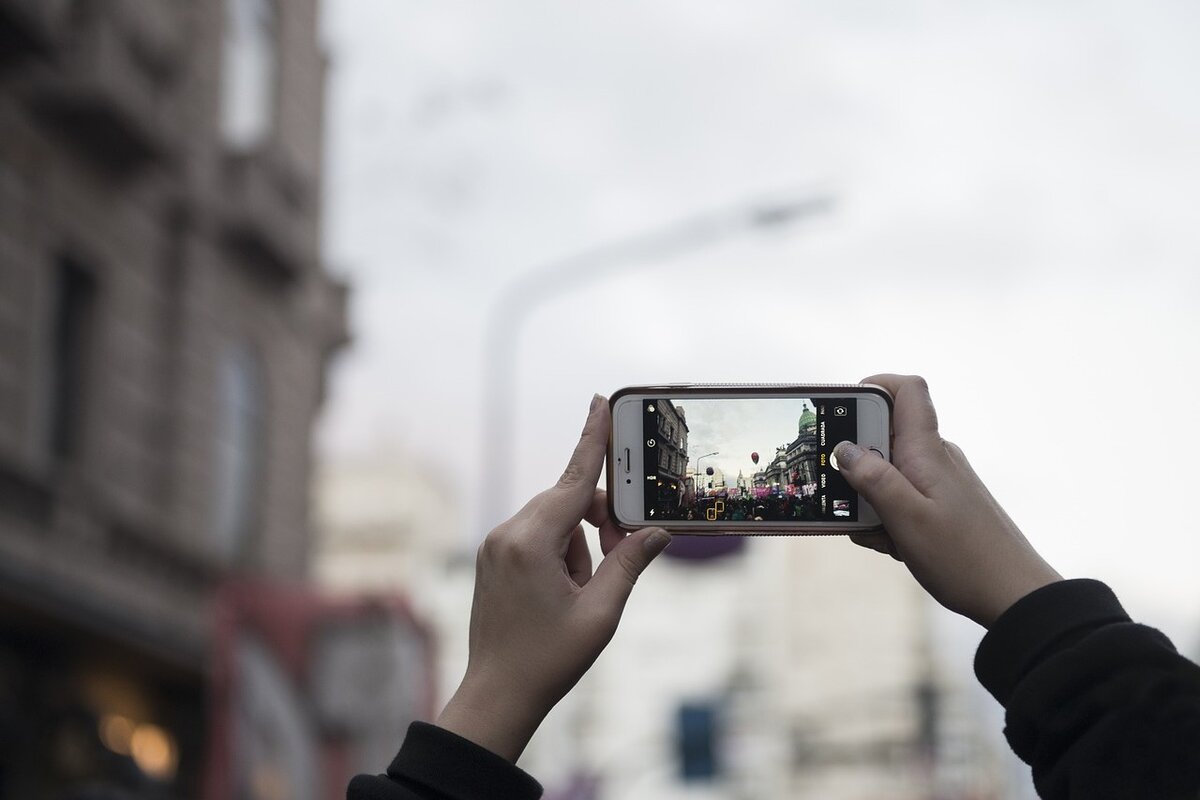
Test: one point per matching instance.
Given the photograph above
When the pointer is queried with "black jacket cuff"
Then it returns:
(458, 768)
(1038, 625)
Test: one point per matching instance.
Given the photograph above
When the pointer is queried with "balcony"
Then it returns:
(110, 91)
(263, 214)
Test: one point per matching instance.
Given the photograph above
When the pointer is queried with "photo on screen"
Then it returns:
(746, 460)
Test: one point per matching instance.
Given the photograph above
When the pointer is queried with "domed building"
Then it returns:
(808, 421)
(801, 457)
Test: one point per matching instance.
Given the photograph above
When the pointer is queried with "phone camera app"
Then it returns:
(744, 460)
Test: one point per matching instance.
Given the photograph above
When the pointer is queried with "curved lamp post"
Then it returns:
(518, 299)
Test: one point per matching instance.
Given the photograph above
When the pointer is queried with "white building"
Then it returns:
(706, 482)
(387, 524)
(813, 650)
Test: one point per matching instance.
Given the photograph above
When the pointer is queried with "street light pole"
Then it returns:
(699, 459)
(518, 299)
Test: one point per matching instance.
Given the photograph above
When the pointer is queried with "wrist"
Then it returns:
(1015, 589)
(495, 717)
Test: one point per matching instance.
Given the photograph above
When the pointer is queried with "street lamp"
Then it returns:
(519, 298)
(698, 460)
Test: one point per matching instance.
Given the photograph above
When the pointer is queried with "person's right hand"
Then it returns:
(940, 519)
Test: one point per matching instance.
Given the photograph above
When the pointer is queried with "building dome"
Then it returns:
(808, 419)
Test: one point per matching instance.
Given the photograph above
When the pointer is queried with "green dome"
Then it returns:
(808, 419)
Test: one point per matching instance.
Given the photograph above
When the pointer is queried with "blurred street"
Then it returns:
(299, 299)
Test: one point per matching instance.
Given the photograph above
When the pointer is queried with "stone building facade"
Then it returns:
(165, 327)
(671, 444)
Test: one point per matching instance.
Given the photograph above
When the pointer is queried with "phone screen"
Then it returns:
(746, 460)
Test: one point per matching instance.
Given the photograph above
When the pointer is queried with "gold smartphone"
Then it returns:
(742, 458)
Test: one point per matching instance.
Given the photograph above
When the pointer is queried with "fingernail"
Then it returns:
(847, 454)
(656, 542)
(595, 404)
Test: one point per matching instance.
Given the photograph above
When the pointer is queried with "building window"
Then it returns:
(74, 310)
(238, 448)
(251, 72)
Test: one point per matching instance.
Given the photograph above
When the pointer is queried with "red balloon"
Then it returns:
(754, 457)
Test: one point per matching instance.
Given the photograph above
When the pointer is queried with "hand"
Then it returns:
(940, 519)
(540, 617)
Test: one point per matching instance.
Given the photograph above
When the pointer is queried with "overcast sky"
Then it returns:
(1017, 188)
(736, 428)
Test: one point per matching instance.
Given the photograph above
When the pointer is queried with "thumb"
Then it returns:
(620, 569)
(872, 476)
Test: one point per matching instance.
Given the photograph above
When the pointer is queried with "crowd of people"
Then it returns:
(776, 506)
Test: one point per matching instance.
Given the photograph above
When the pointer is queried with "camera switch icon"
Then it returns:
(839, 411)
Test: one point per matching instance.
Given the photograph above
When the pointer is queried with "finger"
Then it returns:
(610, 537)
(597, 514)
(956, 454)
(879, 542)
(561, 507)
(914, 417)
(888, 491)
(578, 558)
(620, 569)
(871, 541)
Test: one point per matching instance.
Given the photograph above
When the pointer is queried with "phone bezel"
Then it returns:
(625, 500)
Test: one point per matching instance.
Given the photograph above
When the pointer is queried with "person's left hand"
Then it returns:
(540, 618)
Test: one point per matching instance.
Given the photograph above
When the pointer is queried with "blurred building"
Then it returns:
(388, 524)
(165, 326)
(800, 668)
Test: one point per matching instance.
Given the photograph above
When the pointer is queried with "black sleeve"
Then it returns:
(1100, 707)
(435, 764)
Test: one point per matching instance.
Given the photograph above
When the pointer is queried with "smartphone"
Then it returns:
(742, 459)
